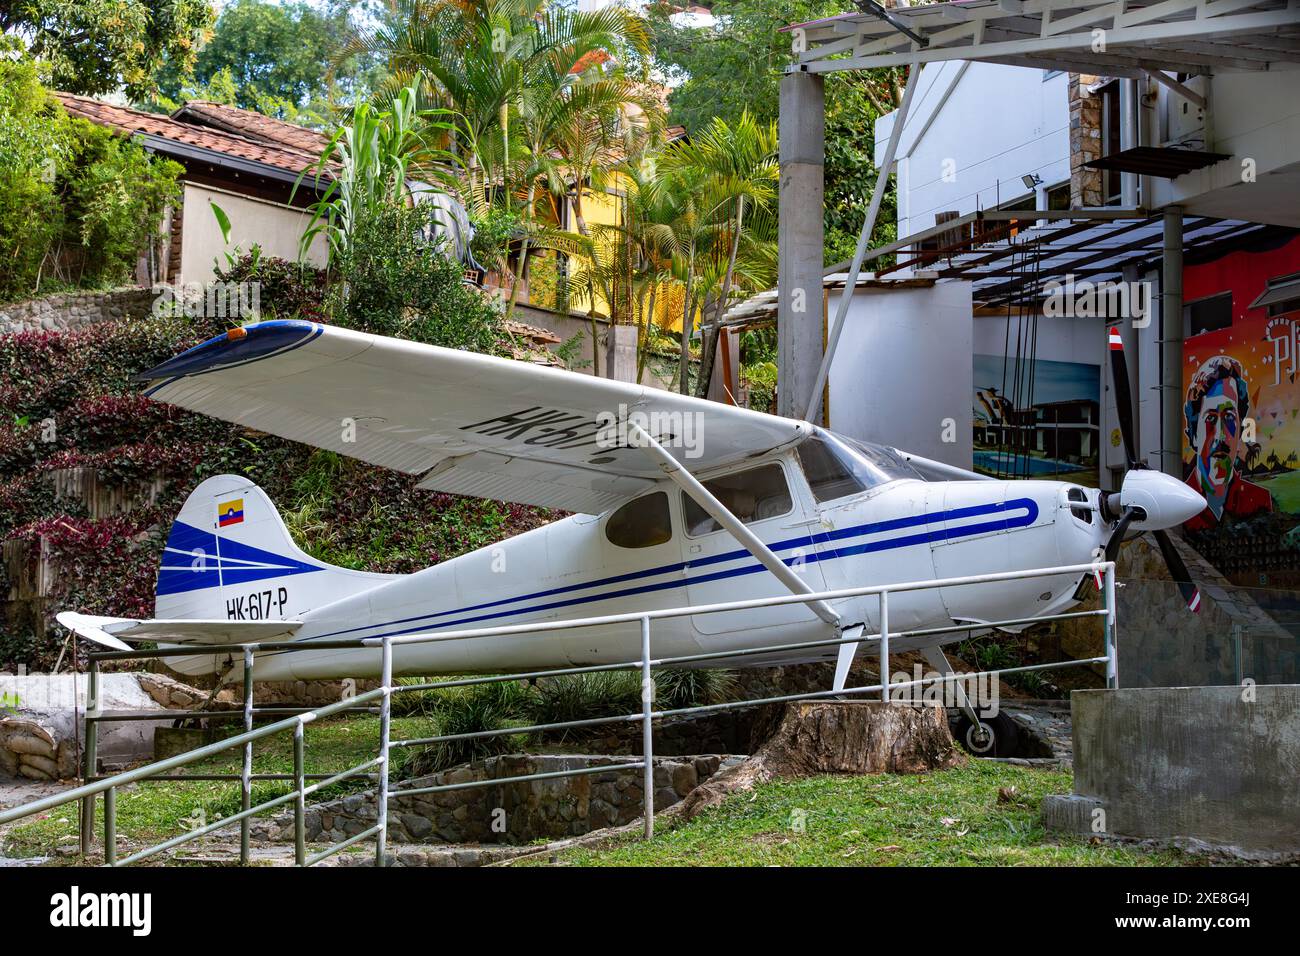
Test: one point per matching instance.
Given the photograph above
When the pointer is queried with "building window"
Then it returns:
(1111, 189)
(1282, 295)
(642, 523)
(1058, 196)
(751, 496)
(1207, 315)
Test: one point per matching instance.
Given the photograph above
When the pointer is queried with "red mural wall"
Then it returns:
(1241, 441)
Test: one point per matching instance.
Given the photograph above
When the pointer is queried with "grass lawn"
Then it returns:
(951, 818)
(149, 813)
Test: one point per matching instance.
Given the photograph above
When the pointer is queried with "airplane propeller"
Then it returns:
(1147, 500)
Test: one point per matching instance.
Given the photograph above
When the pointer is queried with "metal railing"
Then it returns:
(378, 767)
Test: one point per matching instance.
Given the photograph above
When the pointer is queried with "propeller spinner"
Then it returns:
(1147, 500)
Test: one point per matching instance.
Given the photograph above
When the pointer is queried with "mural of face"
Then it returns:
(1218, 437)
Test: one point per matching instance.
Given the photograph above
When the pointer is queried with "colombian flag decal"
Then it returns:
(230, 512)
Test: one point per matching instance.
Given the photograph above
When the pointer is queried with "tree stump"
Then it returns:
(805, 738)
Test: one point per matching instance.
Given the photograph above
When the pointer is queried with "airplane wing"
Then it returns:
(470, 424)
(115, 631)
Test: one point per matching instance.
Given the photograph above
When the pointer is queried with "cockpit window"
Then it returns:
(750, 495)
(837, 467)
(642, 523)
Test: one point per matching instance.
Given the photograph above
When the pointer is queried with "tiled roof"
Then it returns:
(130, 120)
(251, 125)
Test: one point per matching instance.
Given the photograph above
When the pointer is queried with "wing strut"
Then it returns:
(718, 511)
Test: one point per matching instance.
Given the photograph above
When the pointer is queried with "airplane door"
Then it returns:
(776, 507)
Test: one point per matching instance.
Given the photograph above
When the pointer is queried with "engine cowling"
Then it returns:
(1165, 501)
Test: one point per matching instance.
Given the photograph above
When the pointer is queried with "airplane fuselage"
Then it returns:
(902, 529)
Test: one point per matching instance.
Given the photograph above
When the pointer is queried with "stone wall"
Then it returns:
(511, 813)
(1162, 644)
(70, 311)
(1085, 142)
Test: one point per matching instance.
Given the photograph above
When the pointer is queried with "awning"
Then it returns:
(1103, 37)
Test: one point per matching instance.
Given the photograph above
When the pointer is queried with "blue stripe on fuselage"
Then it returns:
(1028, 505)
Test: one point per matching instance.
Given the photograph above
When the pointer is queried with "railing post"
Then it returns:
(1112, 658)
(246, 772)
(91, 755)
(385, 715)
(647, 730)
(300, 804)
(110, 826)
(884, 645)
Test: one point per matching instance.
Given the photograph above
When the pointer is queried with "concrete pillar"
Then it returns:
(1171, 344)
(799, 239)
(620, 353)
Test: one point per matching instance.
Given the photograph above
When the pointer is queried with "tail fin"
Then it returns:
(230, 557)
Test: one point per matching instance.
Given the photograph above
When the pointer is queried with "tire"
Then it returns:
(1004, 739)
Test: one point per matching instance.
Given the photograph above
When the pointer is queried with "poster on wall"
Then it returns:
(1241, 448)
(1036, 419)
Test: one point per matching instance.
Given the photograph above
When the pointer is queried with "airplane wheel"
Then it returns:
(1001, 737)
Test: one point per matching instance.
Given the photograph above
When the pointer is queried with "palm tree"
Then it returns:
(369, 161)
(737, 168)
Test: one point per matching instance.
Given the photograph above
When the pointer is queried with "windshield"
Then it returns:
(884, 463)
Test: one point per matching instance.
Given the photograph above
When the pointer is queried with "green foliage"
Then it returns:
(853, 103)
(78, 203)
(675, 689)
(585, 697)
(368, 162)
(287, 290)
(281, 59)
(467, 710)
(391, 282)
(95, 46)
(734, 66)
(983, 814)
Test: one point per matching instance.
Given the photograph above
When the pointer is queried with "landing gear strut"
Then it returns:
(995, 736)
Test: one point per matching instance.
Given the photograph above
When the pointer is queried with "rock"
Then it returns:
(45, 765)
(417, 827)
(30, 743)
(685, 779)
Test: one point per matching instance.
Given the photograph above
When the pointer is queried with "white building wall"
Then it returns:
(276, 228)
(902, 373)
(974, 131)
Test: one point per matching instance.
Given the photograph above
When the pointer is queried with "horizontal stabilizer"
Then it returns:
(114, 631)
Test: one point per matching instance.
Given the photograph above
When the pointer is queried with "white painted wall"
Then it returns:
(974, 130)
(276, 228)
(903, 367)
(1256, 117)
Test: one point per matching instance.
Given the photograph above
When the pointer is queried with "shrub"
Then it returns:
(585, 697)
(467, 710)
(78, 202)
(287, 290)
(390, 281)
(693, 688)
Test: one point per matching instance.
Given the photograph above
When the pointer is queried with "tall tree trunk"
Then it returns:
(688, 323)
(523, 254)
(710, 342)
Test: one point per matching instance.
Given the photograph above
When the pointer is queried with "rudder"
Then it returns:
(230, 556)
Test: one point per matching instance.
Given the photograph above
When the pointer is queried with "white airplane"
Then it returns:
(677, 502)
